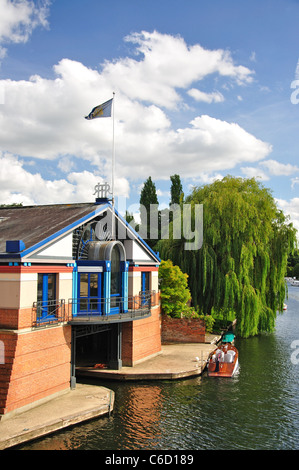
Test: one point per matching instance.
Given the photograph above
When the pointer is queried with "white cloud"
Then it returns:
(19, 18)
(18, 185)
(290, 208)
(253, 172)
(48, 117)
(273, 168)
(204, 178)
(65, 164)
(214, 97)
(217, 145)
(295, 181)
(166, 63)
(161, 193)
(278, 169)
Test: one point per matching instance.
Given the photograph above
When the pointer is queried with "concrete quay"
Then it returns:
(176, 361)
(72, 407)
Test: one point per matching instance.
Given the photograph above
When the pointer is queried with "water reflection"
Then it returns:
(139, 417)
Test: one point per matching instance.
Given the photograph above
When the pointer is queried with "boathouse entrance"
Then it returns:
(96, 346)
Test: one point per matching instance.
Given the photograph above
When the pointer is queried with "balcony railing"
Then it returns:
(47, 313)
(93, 309)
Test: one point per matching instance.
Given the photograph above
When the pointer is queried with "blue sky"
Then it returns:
(203, 89)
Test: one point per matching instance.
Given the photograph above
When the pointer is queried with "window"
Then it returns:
(90, 288)
(46, 295)
(145, 281)
(115, 278)
(145, 286)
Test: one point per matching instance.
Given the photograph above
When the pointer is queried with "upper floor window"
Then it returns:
(46, 295)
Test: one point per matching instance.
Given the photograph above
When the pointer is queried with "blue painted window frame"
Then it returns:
(43, 313)
(116, 283)
(145, 284)
(89, 310)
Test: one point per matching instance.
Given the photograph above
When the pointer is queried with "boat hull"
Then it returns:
(224, 361)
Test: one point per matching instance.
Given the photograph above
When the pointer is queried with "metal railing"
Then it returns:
(92, 309)
(99, 309)
(47, 313)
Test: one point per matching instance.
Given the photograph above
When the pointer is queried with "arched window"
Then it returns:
(115, 276)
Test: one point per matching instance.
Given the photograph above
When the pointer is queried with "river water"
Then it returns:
(256, 410)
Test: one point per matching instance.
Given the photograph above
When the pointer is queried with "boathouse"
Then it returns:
(78, 286)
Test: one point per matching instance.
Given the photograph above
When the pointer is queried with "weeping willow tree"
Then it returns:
(242, 263)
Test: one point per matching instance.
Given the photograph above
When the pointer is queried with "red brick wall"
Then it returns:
(182, 330)
(16, 318)
(37, 364)
(141, 338)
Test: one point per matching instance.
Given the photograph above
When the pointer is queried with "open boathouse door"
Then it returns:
(96, 346)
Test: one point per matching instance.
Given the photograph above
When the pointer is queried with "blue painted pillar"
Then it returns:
(75, 291)
(45, 296)
(107, 287)
(124, 266)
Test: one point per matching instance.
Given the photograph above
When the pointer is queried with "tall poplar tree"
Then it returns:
(243, 260)
(148, 198)
(176, 189)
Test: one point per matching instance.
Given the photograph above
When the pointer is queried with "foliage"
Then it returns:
(176, 189)
(148, 194)
(173, 288)
(242, 263)
(222, 319)
(190, 312)
(293, 264)
(209, 322)
(8, 206)
(129, 217)
(295, 272)
(148, 197)
(175, 295)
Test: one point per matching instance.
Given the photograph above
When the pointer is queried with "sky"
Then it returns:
(202, 90)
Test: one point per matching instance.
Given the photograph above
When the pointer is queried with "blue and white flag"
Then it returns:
(103, 110)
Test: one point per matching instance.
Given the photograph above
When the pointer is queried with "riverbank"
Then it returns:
(83, 403)
(86, 402)
(176, 361)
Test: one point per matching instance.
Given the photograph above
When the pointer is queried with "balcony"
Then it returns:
(48, 313)
(115, 309)
(93, 310)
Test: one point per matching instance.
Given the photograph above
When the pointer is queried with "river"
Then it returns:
(256, 410)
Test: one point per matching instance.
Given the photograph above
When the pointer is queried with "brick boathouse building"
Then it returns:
(78, 286)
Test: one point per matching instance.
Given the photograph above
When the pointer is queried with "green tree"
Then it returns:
(129, 217)
(173, 288)
(242, 263)
(148, 214)
(293, 260)
(8, 206)
(176, 189)
(295, 272)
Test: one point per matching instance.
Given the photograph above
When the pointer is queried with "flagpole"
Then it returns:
(113, 149)
(113, 166)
